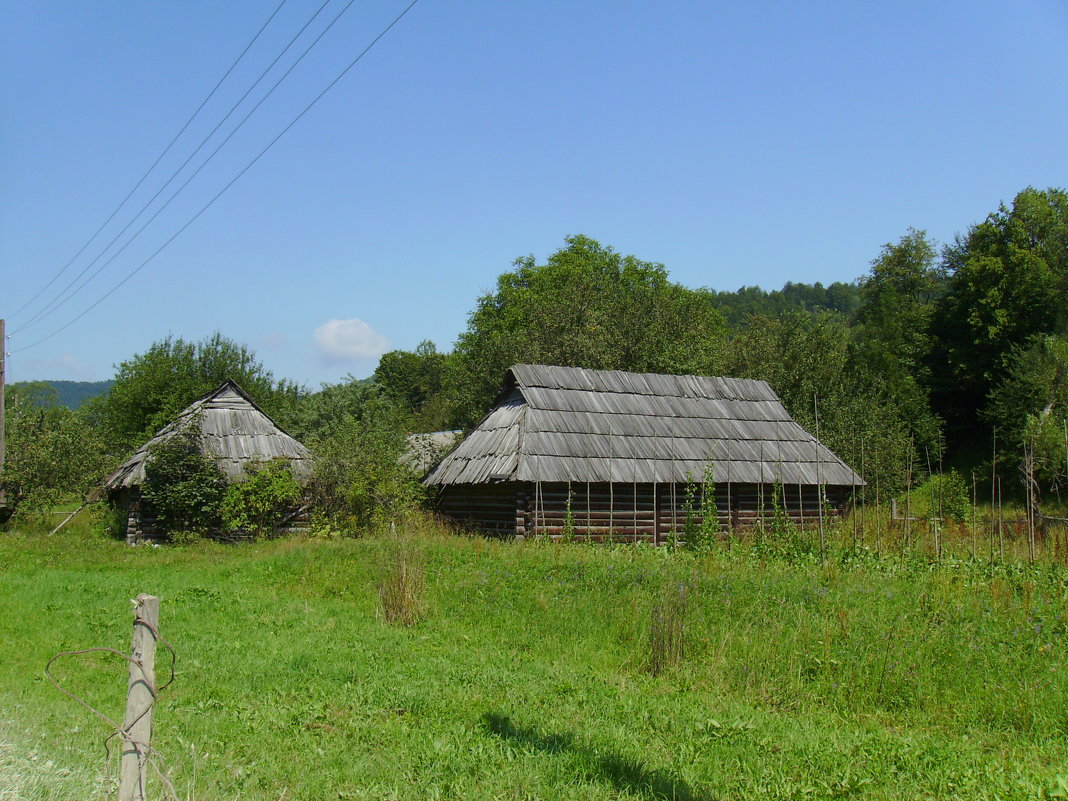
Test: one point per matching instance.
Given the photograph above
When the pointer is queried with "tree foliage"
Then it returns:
(588, 306)
(152, 387)
(52, 452)
(749, 302)
(892, 326)
(317, 414)
(413, 379)
(259, 501)
(360, 480)
(1030, 406)
(183, 488)
(807, 360)
(1009, 283)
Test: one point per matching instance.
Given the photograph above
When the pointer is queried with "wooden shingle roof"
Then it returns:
(233, 432)
(573, 424)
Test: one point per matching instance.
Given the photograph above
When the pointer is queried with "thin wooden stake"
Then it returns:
(611, 484)
(1001, 524)
(878, 508)
(907, 542)
(67, 519)
(863, 496)
(1029, 464)
(141, 697)
(760, 492)
(941, 496)
(931, 523)
(974, 500)
(993, 492)
(819, 485)
(854, 444)
(589, 515)
(674, 522)
(730, 508)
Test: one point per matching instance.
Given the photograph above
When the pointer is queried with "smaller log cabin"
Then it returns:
(233, 431)
(611, 455)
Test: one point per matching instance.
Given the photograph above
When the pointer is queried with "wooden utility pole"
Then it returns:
(141, 696)
(3, 368)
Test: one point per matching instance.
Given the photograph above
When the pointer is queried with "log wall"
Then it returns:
(625, 512)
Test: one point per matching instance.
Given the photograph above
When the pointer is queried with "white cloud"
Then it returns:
(348, 340)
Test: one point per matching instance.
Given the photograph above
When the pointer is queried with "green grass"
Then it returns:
(528, 674)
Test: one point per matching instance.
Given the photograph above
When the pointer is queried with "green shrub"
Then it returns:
(183, 488)
(258, 503)
(946, 496)
(359, 481)
(186, 537)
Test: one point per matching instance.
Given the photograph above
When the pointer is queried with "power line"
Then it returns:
(59, 300)
(155, 163)
(233, 180)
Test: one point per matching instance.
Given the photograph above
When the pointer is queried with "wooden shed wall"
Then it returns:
(624, 512)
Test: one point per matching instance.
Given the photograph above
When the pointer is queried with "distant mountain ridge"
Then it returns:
(71, 394)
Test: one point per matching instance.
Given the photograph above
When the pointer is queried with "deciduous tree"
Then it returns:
(1009, 283)
(587, 306)
(152, 387)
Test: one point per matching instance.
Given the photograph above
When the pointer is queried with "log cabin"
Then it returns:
(607, 455)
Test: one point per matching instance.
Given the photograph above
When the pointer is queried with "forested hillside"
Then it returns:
(71, 394)
(938, 356)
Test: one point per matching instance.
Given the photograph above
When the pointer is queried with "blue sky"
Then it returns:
(738, 144)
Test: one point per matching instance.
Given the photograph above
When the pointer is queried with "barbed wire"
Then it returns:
(152, 756)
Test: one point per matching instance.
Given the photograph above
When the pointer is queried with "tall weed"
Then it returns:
(402, 588)
(667, 628)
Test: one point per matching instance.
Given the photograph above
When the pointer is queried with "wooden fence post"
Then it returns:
(141, 695)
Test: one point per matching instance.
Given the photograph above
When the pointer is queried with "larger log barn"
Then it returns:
(605, 454)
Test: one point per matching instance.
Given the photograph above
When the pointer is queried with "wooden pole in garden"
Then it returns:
(863, 495)
(730, 508)
(819, 486)
(993, 491)
(878, 508)
(1029, 463)
(906, 541)
(854, 444)
(674, 526)
(974, 500)
(141, 696)
(760, 494)
(931, 512)
(1001, 524)
(941, 497)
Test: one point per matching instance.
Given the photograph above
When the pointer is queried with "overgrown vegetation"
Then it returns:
(949, 358)
(183, 489)
(532, 677)
(259, 502)
(360, 480)
(52, 453)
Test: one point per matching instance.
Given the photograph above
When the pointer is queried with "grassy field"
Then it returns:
(529, 674)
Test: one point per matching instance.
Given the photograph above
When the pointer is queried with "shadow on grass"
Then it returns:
(625, 774)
